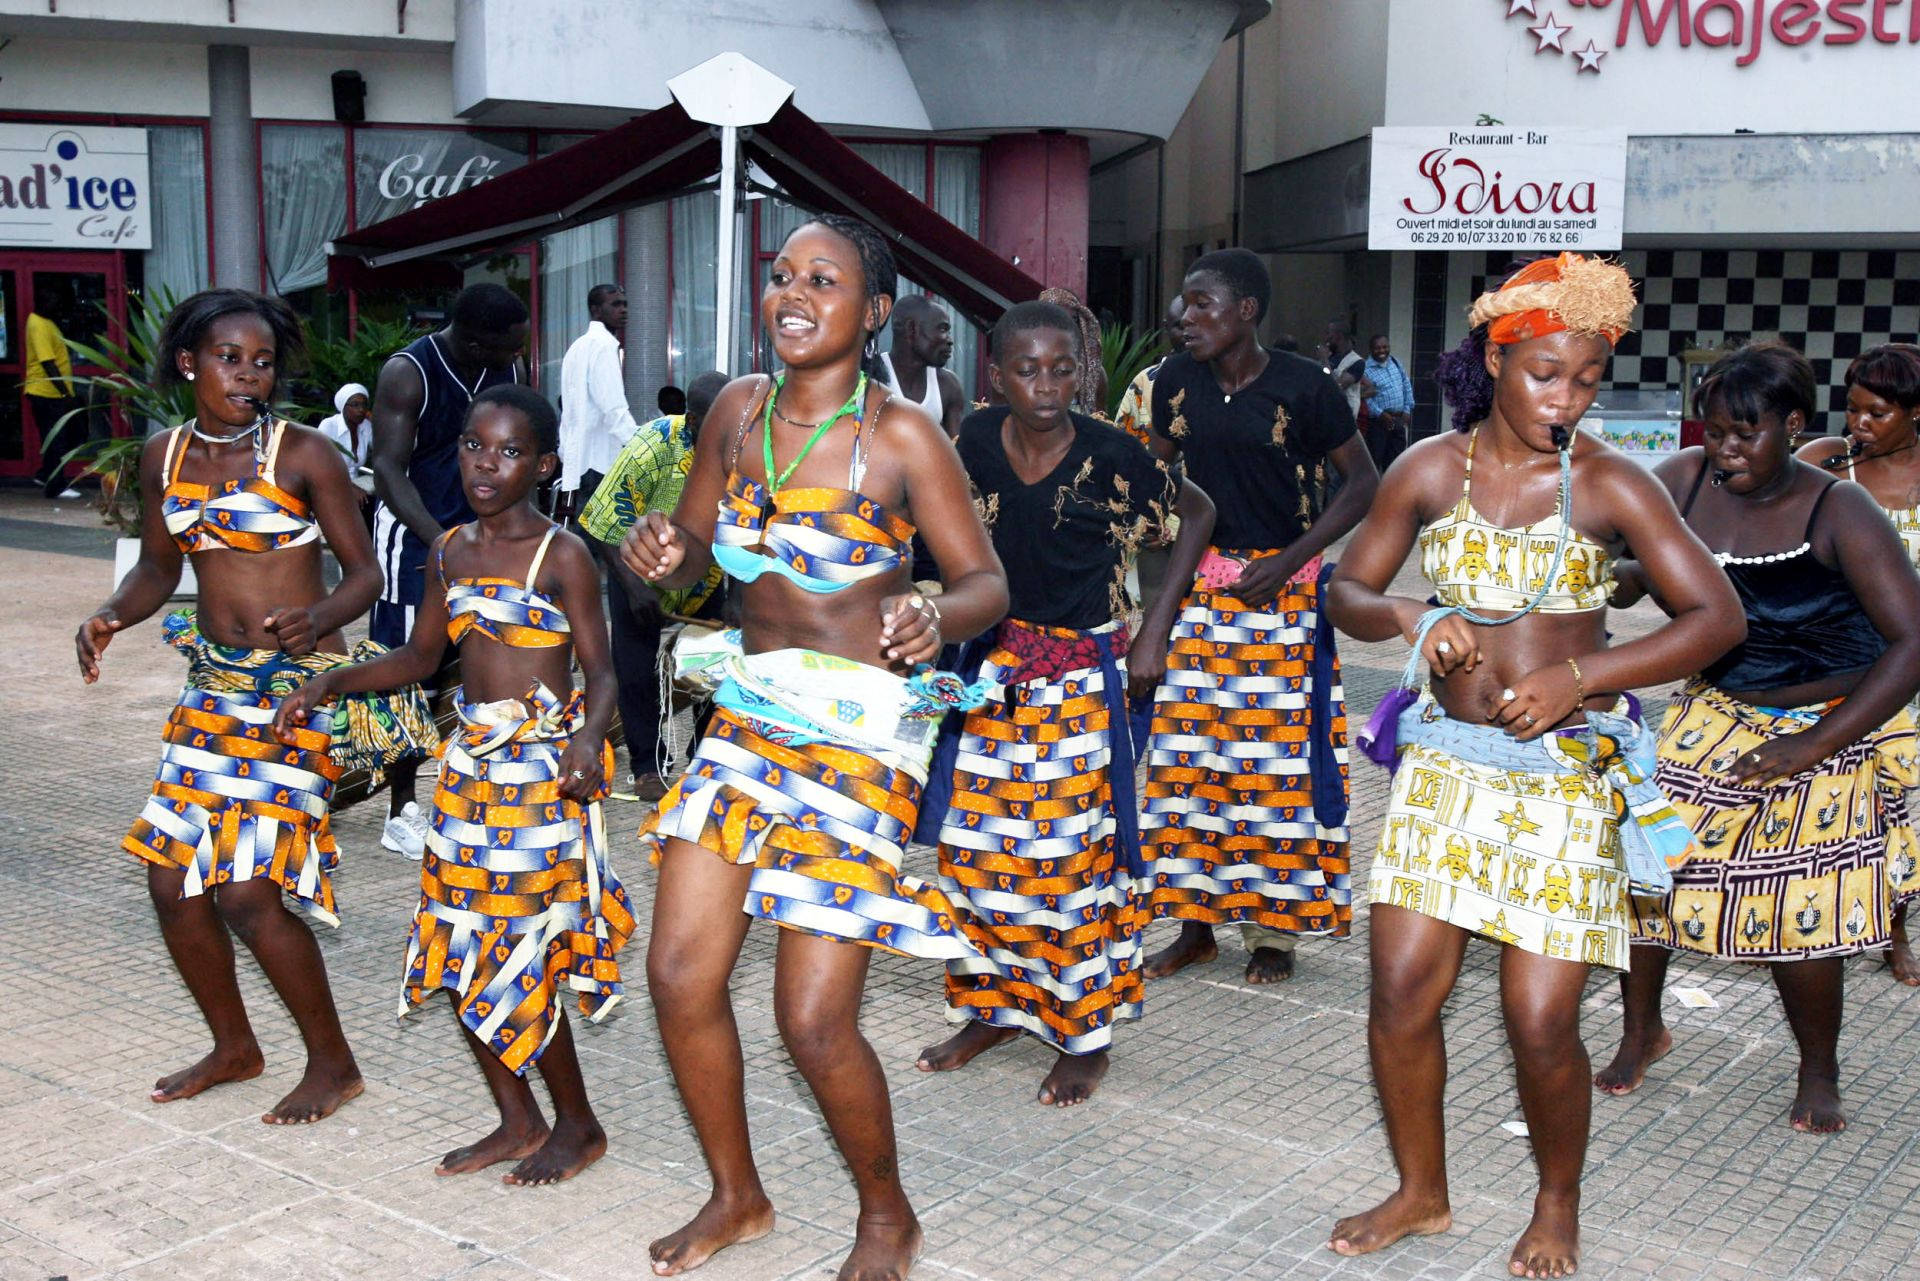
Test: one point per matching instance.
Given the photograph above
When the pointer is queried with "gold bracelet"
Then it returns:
(1579, 686)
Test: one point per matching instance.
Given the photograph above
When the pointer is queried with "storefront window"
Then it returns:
(177, 263)
(571, 263)
(395, 170)
(303, 197)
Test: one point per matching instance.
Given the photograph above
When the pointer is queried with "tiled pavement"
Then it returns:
(1235, 1125)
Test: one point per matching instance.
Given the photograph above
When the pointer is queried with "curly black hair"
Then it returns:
(877, 269)
(1023, 317)
(186, 328)
(529, 404)
(1242, 272)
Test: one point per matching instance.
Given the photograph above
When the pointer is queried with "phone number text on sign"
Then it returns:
(1497, 189)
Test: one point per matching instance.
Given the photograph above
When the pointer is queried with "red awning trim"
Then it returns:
(666, 154)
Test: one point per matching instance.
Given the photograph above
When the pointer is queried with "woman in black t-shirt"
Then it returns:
(1039, 845)
(1245, 810)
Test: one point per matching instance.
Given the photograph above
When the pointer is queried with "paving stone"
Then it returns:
(1236, 1125)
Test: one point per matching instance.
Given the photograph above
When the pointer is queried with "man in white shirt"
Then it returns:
(594, 419)
(1345, 364)
(916, 368)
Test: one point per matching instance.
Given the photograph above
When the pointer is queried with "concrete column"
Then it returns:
(235, 167)
(1037, 188)
(644, 276)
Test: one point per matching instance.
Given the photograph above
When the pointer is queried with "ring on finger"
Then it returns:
(1526, 718)
(1443, 648)
(1507, 695)
(580, 774)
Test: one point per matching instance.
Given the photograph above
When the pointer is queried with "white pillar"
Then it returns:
(724, 301)
(644, 276)
(234, 169)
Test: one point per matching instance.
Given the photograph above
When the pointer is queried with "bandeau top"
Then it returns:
(252, 514)
(821, 539)
(512, 613)
(1475, 563)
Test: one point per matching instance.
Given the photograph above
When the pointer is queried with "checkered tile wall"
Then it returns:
(1830, 304)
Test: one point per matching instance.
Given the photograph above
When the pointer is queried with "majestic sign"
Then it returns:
(1497, 188)
(1748, 27)
(74, 187)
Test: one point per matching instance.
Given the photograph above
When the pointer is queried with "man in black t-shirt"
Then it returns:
(1246, 800)
(1032, 802)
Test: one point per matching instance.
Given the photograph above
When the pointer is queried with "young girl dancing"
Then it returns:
(517, 900)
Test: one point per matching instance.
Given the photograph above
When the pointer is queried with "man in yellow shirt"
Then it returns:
(48, 383)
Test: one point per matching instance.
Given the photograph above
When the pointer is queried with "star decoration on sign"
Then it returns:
(1548, 35)
(1521, 6)
(1590, 57)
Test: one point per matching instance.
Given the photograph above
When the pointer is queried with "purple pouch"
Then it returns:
(1380, 740)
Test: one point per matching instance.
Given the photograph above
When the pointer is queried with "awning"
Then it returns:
(666, 153)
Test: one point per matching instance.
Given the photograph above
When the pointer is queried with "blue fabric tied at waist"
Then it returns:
(1129, 719)
(1617, 750)
(1329, 788)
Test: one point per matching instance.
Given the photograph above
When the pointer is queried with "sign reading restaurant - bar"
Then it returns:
(74, 187)
(1497, 188)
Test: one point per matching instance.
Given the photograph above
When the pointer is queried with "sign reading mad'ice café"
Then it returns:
(1497, 187)
(74, 187)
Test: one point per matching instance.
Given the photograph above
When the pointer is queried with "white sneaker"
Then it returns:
(406, 832)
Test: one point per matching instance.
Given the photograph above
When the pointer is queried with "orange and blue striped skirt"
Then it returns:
(519, 903)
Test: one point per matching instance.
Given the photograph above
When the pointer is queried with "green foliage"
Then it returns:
(1124, 357)
(126, 385)
(334, 362)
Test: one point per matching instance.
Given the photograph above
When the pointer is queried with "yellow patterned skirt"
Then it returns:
(1808, 867)
(1529, 858)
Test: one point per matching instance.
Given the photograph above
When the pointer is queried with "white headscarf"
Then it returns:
(346, 393)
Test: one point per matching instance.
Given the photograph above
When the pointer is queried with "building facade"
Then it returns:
(262, 130)
(1773, 169)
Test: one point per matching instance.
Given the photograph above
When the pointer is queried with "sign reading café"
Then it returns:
(1497, 188)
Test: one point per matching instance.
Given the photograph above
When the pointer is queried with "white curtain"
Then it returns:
(956, 197)
(178, 260)
(696, 255)
(571, 263)
(303, 179)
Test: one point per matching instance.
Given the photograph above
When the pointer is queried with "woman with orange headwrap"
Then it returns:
(1521, 806)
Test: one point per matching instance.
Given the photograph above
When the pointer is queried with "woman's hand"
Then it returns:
(1264, 577)
(90, 642)
(1536, 702)
(1146, 664)
(1452, 645)
(580, 770)
(654, 547)
(297, 708)
(909, 630)
(293, 628)
(1780, 758)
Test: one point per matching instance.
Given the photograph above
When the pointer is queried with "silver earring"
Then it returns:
(189, 375)
(873, 346)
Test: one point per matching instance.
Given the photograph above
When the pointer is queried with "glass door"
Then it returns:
(51, 298)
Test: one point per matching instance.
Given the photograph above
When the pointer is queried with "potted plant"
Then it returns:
(126, 387)
(1124, 357)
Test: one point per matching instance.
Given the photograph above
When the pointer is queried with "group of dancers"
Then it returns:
(1531, 805)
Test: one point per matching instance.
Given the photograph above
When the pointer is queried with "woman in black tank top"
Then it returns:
(1785, 755)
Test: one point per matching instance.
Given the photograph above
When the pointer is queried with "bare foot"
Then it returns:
(1074, 1079)
(1194, 947)
(508, 1143)
(1269, 965)
(217, 1068)
(571, 1148)
(1630, 1063)
(718, 1225)
(318, 1096)
(1550, 1247)
(1816, 1108)
(960, 1049)
(1400, 1215)
(1900, 958)
(883, 1250)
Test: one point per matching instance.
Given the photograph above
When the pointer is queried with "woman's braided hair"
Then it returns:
(876, 268)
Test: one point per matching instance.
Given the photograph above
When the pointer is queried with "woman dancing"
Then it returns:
(1775, 752)
(519, 904)
(806, 489)
(1878, 451)
(235, 821)
(1040, 846)
(1520, 773)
